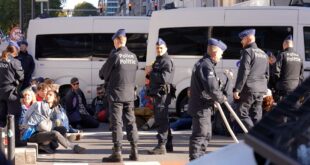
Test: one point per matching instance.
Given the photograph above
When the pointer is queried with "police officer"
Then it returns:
(119, 72)
(11, 75)
(161, 77)
(251, 83)
(289, 68)
(204, 91)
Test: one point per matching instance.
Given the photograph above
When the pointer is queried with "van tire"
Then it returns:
(182, 105)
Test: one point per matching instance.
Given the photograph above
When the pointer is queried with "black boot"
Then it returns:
(134, 152)
(160, 149)
(116, 155)
(169, 145)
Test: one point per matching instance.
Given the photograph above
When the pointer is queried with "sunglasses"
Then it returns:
(76, 83)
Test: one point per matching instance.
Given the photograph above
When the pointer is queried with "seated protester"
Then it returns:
(34, 84)
(77, 108)
(60, 119)
(99, 105)
(41, 91)
(37, 117)
(28, 98)
(185, 122)
(145, 111)
(268, 102)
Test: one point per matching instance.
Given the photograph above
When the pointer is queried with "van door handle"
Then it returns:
(142, 68)
(307, 69)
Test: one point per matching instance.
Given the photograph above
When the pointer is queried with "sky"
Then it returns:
(71, 3)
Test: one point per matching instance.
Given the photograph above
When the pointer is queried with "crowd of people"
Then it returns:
(46, 112)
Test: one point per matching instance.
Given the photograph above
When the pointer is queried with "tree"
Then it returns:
(91, 10)
(9, 16)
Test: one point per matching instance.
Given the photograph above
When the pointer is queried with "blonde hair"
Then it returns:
(122, 40)
(9, 50)
(32, 94)
(211, 49)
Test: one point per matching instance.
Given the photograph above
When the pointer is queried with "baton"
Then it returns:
(226, 122)
(236, 117)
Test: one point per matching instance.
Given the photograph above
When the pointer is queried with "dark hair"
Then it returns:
(42, 86)
(56, 100)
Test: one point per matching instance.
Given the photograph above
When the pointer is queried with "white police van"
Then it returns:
(78, 46)
(186, 32)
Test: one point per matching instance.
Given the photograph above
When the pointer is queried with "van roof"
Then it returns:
(235, 8)
(91, 18)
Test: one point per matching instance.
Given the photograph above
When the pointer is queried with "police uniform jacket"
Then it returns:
(253, 71)
(119, 72)
(162, 72)
(11, 74)
(205, 87)
(289, 70)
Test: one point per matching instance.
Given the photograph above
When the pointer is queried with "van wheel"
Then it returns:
(182, 106)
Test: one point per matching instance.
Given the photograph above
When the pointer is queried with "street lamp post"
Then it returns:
(21, 15)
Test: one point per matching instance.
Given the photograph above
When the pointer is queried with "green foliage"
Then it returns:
(84, 6)
(9, 16)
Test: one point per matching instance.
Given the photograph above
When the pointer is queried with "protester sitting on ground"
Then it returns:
(60, 118)
(144, 113)
(28, 98)
(34, 84)
(41, 91)
(76, 106)
(268, 102)
(99, 106)
(39, 117)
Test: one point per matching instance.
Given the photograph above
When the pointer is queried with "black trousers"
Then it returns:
(123, 111)
(10, 104)
(162, 117)
(250, 108)
(201, 133)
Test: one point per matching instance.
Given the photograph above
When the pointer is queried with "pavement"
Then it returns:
(99, 144)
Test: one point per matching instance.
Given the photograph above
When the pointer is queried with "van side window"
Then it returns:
(103, 45)
(192, 41)
(307, 43)
(137, 43)
(63, 46)
(267, 38)
(185, 41)
(86, 45)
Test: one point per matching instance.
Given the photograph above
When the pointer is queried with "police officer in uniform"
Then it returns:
(161, 77)
(204, 91)
(11, 75)
(119, 72)
(289, 68)
(251, 83)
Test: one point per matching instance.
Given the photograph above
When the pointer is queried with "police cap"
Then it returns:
(160, 42)
(246, 32)
(218, 43)
(119, 33)
(289, 37)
